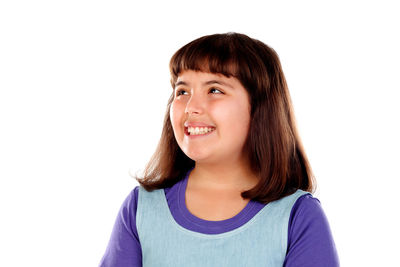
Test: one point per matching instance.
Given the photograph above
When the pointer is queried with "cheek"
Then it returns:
(233, 116)
(242, 119)
(175, 115)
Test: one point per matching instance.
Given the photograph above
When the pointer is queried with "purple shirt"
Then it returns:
(310, 241)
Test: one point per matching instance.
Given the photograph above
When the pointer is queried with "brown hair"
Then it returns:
(273, 144)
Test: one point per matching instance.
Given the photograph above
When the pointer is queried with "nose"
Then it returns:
(194, 105)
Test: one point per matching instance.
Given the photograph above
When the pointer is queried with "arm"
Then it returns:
(124, 248)
(310, 241)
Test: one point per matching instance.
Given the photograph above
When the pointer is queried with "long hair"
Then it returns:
(273, 144)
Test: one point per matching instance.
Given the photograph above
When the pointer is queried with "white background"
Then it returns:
(84, 87)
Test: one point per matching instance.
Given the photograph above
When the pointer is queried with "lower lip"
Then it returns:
(198, 135)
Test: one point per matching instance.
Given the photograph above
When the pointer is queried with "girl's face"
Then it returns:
(202, 98)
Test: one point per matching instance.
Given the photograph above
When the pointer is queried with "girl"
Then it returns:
(229, 183)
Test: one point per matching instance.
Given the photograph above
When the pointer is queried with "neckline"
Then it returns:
(235, 220)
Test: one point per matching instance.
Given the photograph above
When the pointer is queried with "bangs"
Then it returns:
(213, 54)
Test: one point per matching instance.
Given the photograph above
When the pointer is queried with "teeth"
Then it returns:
(199, 130)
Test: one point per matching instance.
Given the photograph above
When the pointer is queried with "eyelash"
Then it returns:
(179, 91)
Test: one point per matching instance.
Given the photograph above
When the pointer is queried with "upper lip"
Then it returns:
(197, 124)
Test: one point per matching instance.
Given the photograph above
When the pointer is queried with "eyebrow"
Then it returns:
(207, 83)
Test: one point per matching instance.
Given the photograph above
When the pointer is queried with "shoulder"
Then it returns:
(129, 207)
(132, 198)
(305, 206)
(124, 246)
(310, 240)
(306, 211)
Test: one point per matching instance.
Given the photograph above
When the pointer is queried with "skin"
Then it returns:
(221, 170)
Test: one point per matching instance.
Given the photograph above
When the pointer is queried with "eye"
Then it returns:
(179, 91)
(216, 90)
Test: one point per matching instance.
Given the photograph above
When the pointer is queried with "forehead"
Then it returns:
(189, 73)
(190, 76)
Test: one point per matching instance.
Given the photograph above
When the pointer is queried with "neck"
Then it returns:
(235, 177)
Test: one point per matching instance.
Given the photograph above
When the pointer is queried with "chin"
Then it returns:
(201, 157)
(197, 155)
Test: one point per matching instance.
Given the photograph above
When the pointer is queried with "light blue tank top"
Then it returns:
(262, 241)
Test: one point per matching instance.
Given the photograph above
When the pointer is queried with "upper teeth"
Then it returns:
(201, 130)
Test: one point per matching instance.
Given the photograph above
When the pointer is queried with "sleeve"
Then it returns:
(310, 241)
(124, 248)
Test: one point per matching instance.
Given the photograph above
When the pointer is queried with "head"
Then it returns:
(217, 103)
(260, 105)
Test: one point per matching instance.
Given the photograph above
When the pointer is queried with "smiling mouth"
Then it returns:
(193, 131)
